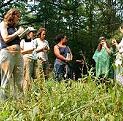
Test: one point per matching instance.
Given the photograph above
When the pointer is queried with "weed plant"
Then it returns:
(83, 100)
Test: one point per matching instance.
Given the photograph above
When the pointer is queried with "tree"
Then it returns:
(83, 21)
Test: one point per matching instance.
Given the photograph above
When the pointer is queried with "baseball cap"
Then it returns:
(31, 29)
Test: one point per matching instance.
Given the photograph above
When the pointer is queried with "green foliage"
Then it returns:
(66, 101)
(83, 21)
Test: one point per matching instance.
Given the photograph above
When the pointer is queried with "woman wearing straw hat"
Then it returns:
(27, 48)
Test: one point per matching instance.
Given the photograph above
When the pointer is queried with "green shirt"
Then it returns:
(102, 62)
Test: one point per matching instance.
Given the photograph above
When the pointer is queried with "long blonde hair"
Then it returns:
(10, 15)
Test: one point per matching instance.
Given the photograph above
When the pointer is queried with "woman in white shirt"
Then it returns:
(27, 47)
(42, 48)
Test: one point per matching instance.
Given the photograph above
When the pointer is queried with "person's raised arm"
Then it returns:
(107, 49)
(44, 49)
(6, 37)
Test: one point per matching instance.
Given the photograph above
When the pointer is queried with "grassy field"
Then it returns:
(82, 100)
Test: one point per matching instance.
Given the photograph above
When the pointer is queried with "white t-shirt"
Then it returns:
(27, 46)
(119, 55)
(120, 46)
(40, 45)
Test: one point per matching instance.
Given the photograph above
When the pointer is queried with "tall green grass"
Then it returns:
(83, 100)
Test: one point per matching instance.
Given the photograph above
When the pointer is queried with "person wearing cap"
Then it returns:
(27, 49)
(101, 58)
(42, 49)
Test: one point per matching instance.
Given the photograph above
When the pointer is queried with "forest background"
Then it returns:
(83, 21)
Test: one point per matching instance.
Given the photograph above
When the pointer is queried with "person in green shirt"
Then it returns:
(101, 58)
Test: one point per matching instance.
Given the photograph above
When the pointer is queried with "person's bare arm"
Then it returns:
(58, 55)
(7, 38)
(107, 49)
(45, 49)
(39, 50)
(27, 51)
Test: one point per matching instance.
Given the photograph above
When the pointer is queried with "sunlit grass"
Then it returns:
(83, 100)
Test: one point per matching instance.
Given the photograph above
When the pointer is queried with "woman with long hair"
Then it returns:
(101, 57)
(42, 49)
(11, 61)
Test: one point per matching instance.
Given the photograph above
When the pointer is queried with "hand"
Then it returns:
(20, 30)
(45, 49)
(104, 44)
(67, 60)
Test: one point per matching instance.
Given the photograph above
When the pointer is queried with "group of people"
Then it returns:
(109, 59)
(23, 59)
(35, 56)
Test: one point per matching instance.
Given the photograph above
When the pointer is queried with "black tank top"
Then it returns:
(64, 50)
(16, 40)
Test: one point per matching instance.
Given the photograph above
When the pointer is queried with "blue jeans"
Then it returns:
(62, 70)
(59, 71)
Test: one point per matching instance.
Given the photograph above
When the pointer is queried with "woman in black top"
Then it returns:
(63, 56)
(10, 58)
